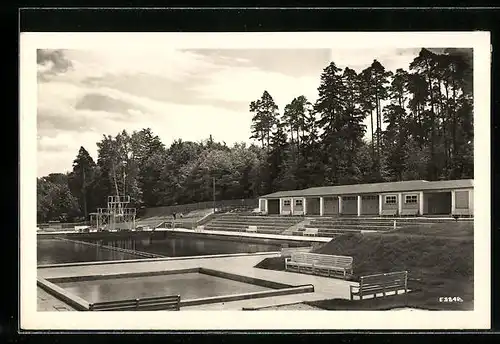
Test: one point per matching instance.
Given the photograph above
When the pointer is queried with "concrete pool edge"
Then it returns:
(273, 239)
(114, 248)
(205, 271)
(84, 278)
(146, 260)
(72, 300)
(308, 288)
(277, 289)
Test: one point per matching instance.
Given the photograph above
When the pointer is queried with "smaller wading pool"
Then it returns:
(196, 286)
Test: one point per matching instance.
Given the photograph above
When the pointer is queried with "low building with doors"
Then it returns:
(405, 198)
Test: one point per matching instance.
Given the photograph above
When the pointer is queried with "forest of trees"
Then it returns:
(421, 128)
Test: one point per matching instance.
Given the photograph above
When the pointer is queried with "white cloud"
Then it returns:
(171, 64)
(248, 84)
(360, 59)
(63, 128)
(71, 128)
(56, 154)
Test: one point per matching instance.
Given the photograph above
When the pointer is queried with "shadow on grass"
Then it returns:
(421, 296)
(426, 293)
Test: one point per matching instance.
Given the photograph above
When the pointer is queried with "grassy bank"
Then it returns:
(456, 229)
(438, 267)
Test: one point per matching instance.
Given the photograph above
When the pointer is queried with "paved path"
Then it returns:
(325, 288)
(256, 235)
(234, 233)
(48, 303)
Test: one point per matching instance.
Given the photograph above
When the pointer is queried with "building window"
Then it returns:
(461, 199)
(298, 202)
(371, 197)
(349, 198)
(286, 202)
(412, 199)
(390, 199)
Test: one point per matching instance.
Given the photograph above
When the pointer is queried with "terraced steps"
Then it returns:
(265, 224)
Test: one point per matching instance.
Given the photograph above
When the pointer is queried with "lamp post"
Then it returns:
(213, 193)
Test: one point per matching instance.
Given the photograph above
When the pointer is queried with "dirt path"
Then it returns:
(294, 307)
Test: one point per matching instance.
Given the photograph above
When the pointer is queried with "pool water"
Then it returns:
(55, 251)
(187, 285)
(181, 246)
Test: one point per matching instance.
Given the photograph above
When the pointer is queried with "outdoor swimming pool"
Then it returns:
(192, 285)
(182, 246)
(195, 286)
(56, 251)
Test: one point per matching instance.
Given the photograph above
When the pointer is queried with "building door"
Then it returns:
(437, 203)
(369, 205)
(273, 206)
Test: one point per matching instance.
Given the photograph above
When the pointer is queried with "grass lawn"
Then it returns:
(458, 229)
(437, 267)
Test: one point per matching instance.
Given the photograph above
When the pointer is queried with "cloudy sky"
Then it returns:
(188, 94)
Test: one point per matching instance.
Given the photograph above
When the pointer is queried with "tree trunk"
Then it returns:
(442, 116)
(373, 139)
(433, 125)
(454, 123)
(377, 101)
(84, 195)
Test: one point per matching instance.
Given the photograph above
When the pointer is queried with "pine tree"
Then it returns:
(80, 180)
(263, 121)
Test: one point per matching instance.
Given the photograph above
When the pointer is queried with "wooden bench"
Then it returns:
(287, 251)
(310, 232)
(319, 264)
(162, 303)
(252, 229)
(380, 284)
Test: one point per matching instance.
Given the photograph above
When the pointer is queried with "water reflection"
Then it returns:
(187, 246)
(54, 251)
(51, 251)
(189, 286)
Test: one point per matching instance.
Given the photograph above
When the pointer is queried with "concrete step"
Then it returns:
(244, 226)
(262, 216)
(254, 221)
(259, 230)
(350, 223)
(280, 225)
(391, 218)
(347, 226)
(286, 220)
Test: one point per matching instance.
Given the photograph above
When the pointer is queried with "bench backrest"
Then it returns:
(399, 278)
(311, 231)
(301, 257)
(290, 250)
(322, 259)
(340, 261)
(161, 302)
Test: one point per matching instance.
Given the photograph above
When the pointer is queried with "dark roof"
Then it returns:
(410, 185)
